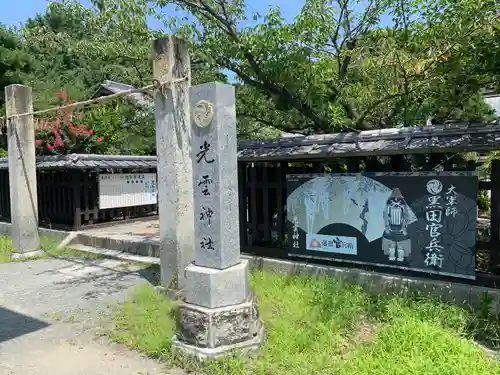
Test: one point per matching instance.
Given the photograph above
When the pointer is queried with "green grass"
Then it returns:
(49, 245)
(323, 326)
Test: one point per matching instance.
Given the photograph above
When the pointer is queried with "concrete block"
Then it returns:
(210, 287)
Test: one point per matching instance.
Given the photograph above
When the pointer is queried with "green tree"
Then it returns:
(126, 129)
(14, 60)
(335, 67)
(76, 48)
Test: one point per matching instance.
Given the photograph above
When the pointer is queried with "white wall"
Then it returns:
(494, 102)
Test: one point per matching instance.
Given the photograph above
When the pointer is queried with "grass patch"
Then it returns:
(49, 245)
(322, 326)
(144, 322)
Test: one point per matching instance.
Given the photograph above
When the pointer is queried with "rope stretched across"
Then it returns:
(155, 85)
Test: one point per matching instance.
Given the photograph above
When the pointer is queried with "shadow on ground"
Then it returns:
(14, 324)
(104, 279)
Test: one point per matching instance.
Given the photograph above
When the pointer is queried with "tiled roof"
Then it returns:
(455, 137)
(81, 161)
(463, 137)
(111, 87)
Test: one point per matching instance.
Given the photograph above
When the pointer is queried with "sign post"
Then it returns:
(219, 313)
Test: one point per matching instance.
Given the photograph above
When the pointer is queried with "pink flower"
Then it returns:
(50, 147)
(79, 130)
(59, 142)
(62, 95)
(38, 142)
(100, 139)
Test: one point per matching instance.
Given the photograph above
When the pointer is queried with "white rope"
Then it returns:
(156, 85)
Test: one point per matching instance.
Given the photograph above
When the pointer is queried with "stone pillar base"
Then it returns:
(212, 332)
(213, 288)
(29, 254)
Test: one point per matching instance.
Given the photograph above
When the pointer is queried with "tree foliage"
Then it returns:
(340, 64)
(14, 60)
(79, 47)
(395, 62)
(75, 49)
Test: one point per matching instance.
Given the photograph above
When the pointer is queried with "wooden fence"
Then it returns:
(68, 199)
(68, 194)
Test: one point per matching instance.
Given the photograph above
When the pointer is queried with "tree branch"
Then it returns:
(268, 123)
(361, 119)
(265, 84)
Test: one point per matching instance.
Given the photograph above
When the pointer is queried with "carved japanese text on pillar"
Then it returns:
(202, 155)
(204, 184)
(204, 169)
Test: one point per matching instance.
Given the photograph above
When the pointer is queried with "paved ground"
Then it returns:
(146, 230)
(51, 314)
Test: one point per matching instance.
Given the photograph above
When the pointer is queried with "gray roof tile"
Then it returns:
(456, 137)
(462, 137)
(82, 161)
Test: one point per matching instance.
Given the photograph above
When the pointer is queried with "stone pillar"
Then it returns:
(173, 148)
(22, 172)
(219, 312)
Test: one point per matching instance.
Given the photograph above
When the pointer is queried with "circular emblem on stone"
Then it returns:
(434, 187)
(203, 113)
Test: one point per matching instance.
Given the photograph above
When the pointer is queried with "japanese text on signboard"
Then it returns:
(436, 210)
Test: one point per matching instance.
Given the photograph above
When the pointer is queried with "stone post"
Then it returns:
(218, 313)
(22, 172)
(173, 148)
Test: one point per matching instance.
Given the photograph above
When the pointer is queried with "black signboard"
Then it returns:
(417, 221)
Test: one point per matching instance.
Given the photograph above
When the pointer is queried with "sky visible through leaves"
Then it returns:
(16, 12)
(12, 13)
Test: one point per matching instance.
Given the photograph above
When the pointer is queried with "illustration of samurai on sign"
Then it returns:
(395, 240)
(417, 221)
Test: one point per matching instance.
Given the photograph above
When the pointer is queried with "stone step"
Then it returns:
(116, 254)
(120, 242)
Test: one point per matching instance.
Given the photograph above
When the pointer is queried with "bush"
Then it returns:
(483, 201)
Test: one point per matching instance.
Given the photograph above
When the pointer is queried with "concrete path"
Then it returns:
(51, 314)
(144, 230)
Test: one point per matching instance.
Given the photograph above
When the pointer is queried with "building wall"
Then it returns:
(494, 102)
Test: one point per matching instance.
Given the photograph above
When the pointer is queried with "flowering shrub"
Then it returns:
(66, 133)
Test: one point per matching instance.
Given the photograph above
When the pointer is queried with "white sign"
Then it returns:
(332, 244)
(127, 190)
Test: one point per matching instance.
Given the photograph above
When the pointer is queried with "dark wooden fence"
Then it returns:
(263, 205)
(68, 191)
(68, 196)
